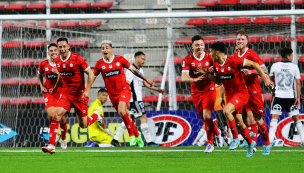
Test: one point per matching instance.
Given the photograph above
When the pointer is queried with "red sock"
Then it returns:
(53, 132)
(130, 125)
(63, 128)
(209, 130)
(254, 128)
(232, 127)
(91, 119)
(215, 129)
(264, 131)
(246, 135)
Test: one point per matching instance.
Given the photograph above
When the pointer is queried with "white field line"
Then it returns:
(130, 151)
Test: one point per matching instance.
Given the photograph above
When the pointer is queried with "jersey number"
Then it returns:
(288, 80)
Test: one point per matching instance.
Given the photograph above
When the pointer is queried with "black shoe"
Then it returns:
(115, 143)
(153, 144)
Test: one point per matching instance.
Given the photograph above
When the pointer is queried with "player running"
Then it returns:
(52, 88)
(227, 71)
(71, 67)
(254, 109)
(285, 74)
(137, 106)
(202, 88)
(111, 67)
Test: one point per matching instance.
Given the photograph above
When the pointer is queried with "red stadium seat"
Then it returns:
(11, 81)
(151, 98)
(229, 2)
(13, 44)
(79, 42)
(251, 2)
(218, 21)
(300, 38)
(283, 19)
(263, 20)
(228, 39)
(274, 39)
(7, 24)
(159, 79)
(27, 23)
(5, 100)
(278, 59)
(240, 20)
(80, 4)
(184, 40)
(21, 101)
(295, 1)
(32, 81)
(35, 43)
(302, 77)
(301, 19)
(92, 23)
(207, 3)
(179, 98)
(301, 59)
(267, 97)
(53, 24)
(39, 101)
(24, 62)
(37, 5)
(189, 99)
(16, 6)
(104, 4)
(273, 2)
(197, 21)
(178, 60)
(60, 5)
(69, 23)
(267, 58)
(2, 6)
(210, 40)
(6, 62)
(255, 39)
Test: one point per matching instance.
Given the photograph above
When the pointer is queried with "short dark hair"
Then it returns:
(62, 39)
(196, 37)
(51, 45)
(138, 53)
(102, 90)
(218, 46)
(242, 32)
(286, 52)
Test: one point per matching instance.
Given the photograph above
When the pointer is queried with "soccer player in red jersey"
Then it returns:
(228, 71)
(71, 67)
(50, 90)
(254, 109)
(202, 88)
(112, 69)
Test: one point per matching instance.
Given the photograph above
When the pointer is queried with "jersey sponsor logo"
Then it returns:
(112, 73)
(67, 73)
(117, 64)
(6, 133)
(227, 77)
(287, 131)
(193, 64)
(46, 69)
(171, 130)
(196, 73)
(51, 76)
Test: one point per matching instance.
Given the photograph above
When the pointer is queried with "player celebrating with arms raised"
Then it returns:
(112, 69)
(202, 88)
(227, 71)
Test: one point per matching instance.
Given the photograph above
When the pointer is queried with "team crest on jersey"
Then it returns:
(216, 69)
(58, 65)
(222, 70)
(199, 64)
(103, 67)
(183, 64)
(100, 109)
(229, 68)
(117, 64)
(63, 65)
(71, 64)
(193, 64)
(46, 69)
(207, 63)
(110, 66)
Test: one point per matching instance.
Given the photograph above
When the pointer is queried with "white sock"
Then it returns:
(105, 145)
(145, 131)
(120, 131)
(272, 130)
(203, 140)
(199, 136)
(300, 130)
(230, 135)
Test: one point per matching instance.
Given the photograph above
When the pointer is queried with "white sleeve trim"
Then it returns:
(87, 68)
(244, 62)
(185, 70)
(262, 65)
(38, 72)
(130, 66)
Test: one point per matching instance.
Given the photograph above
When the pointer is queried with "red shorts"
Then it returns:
(80, 104)
(51, 100)
(239, 100)
(124, 96)
(204, 101)
(255, 104)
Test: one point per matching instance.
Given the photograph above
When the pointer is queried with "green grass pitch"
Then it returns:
(173, 159)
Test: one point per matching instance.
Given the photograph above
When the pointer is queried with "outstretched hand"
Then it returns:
(201, 69)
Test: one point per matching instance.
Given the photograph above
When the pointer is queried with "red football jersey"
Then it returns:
(113, 74)
(252, 81)
(72, 73)
(190, 64)
(50, 77)
(230, 74)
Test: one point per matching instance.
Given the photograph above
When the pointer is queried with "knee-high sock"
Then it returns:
(264, 131)
(209, 130)
(199, 136)
(91, 119)
(254, 128)
(63, 128)
(120, 131)
(130, 125)
(300, 130)
(272, 129)
(246, 135)
(215, 130)
(203, 140)
(145, 131)
(232, 126)
(53, 132)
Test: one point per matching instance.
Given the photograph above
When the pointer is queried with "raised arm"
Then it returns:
(140, 75)
(186, 77)
(162, 91)
(257, 67)
(210, 74)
